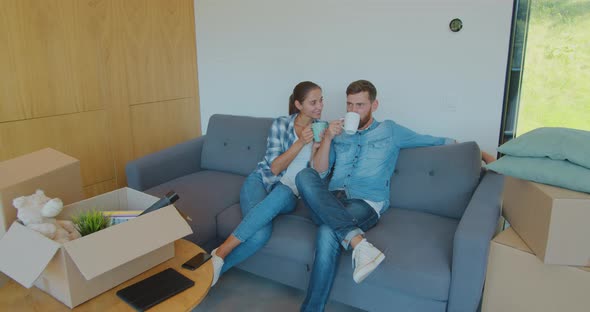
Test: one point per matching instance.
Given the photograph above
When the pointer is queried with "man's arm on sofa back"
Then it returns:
(472, 242)
(165, 165)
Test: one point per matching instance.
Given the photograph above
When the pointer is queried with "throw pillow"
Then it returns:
(544, 170)
(555, 143)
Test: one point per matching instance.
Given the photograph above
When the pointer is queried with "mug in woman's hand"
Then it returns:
(318, 127)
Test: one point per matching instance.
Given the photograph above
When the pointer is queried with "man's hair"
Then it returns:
(362, 86)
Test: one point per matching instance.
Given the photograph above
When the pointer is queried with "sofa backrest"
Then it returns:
(439, 180)
(235, 144)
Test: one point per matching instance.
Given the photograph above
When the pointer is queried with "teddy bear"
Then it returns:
(38, 212)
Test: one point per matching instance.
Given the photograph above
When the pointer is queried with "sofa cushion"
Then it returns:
(235, 144)
(202, 196)
(438, 180)
(228, 219)
(418, 250)
(292, 238)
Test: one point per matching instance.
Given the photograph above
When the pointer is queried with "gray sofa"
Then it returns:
(436, 235)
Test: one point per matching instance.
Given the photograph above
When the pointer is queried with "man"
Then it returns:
(358, 191)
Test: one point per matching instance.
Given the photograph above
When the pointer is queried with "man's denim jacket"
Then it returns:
(362, 163)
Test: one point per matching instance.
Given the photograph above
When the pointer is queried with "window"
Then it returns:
(548, 82)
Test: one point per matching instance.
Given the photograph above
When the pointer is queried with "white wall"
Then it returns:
(252, 53)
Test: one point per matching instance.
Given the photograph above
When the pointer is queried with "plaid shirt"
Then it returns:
(280, 138)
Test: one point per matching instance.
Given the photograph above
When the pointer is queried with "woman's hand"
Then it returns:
(306, 135)
(334, 129)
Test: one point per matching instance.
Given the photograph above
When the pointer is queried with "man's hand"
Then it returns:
(334, 129)
(487, 158)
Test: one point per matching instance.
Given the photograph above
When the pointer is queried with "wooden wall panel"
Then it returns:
(42, 35)
(11, 104)
(159, 50)
(53, 57)
(81, 135)
(100, 188)
(90, 27)
(88, 77)
(162, 124)
(113, 60)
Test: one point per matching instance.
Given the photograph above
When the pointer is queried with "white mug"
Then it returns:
(351, 122)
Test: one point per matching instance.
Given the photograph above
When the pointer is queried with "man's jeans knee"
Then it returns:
(347, 217)
(307, 180)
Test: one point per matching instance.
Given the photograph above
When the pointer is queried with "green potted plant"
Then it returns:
(90, 221)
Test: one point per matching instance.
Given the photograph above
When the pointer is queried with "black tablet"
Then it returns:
(155, 289)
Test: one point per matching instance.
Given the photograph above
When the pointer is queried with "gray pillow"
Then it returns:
(544, 170)
(556, 143)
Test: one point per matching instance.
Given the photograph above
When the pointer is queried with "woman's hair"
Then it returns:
(299, 94)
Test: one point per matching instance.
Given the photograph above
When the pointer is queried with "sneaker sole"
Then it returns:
(368, 269)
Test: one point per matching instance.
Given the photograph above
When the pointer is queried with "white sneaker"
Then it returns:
(365, 259)
(217, 265)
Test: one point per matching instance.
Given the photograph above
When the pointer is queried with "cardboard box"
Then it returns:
(553, 222)
(56, 173)
(86, 267)
(516, 281)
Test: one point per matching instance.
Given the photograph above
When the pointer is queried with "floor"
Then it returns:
(239, 290)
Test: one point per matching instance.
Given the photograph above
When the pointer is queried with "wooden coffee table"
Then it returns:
(14, 297)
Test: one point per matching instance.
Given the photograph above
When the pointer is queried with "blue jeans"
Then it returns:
(259, 208)
(340, 220)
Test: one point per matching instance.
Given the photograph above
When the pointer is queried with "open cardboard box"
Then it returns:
(552, 221)
(517, 281)
(54, 172)
(86, 267)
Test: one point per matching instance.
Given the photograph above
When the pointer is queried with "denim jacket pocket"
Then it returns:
(379, 149)
(341, 147)
(343, 152)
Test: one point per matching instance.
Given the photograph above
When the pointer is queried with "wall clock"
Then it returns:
(455, 25)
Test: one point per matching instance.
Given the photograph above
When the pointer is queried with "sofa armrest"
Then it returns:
(471, 244)
(165, 165)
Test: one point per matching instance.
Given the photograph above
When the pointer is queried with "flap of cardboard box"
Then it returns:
(112, 247)
(25, 254)
(509, 237)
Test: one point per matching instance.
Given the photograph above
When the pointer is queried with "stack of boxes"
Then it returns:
(542, 262)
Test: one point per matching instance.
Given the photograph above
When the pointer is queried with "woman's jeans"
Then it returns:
(259, 208)
(340, 220)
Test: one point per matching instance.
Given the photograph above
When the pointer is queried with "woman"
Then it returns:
(270, 190)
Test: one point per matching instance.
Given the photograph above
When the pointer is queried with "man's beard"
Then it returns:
(365, 121)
